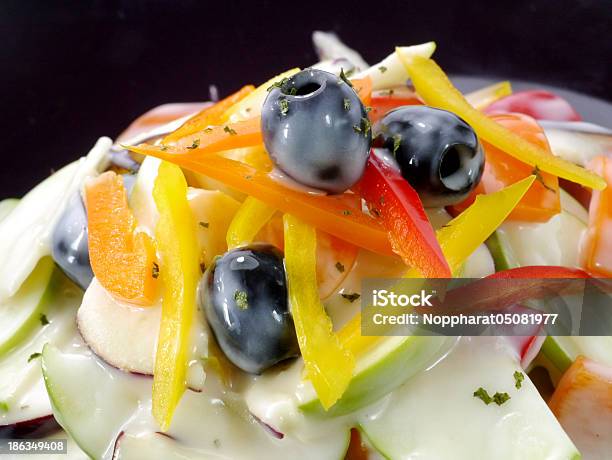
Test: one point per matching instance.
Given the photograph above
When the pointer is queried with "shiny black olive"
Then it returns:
(69, 247)
(316, 130)
(438, 152)
(244, 297)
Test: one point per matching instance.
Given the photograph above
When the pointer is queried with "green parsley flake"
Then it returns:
(351, 297)
(357, 129)
(500, 398)
(366, 126)
(204, 224)
(207, 129)
(195, 144)
(155, 270)
(278, 84)
(382, 69)
(339, 267)
(482, 394)
(241, 300)
(518, 379)
(293, 91)
(4, 407)
(163, 147)
(43, 319)
(344, 78)
(34, 356)
(284, 106)
(397, 140)
(346, 212)
(538, 174)
(230, 131)
(347, 104)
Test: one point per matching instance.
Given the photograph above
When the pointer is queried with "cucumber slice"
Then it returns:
(435, 416)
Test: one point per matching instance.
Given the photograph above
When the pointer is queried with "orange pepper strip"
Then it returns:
(541, 201)
(212, 139)
(339, 215)
(208, 116)
(363, 88)
(123, 261)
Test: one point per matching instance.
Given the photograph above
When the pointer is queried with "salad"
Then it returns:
(193, 289)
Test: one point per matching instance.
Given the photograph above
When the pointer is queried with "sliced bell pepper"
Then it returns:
(541, 201)
(363, 88)
(397, 205)
(435, 88)
(458, 240)
(339, 215)
(462, 235)
(179, 271)
(208, 116)
(122, 259)
(596, 253)
(212, 139)
(482, 98)
(329, 366)
(384, 101)
(248, 221)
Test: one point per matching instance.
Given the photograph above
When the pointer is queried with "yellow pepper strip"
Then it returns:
(179, 272)
(486, 96)
(251, 105)
(250, 218)
(435, 88)
(329, 366)
(458, 240)
(462, 235)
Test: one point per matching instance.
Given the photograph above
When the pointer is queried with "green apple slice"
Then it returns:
(25, 233)
(393, 361)
(434, 416)
(21, 386)
(95, 403)
(22, 312)
(6, 206)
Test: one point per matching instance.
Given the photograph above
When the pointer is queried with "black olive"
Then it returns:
(438, 152)
(316, 130)
(244, 297)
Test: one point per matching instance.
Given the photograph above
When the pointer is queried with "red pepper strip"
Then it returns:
(391, 198)
(212, 139)
(339, 215)
(208, 116)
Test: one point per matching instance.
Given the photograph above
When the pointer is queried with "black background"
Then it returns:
(72, 71)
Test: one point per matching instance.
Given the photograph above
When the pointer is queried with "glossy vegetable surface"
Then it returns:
(179, 271)
(391, 199)
(329, 366)
(122, 259)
